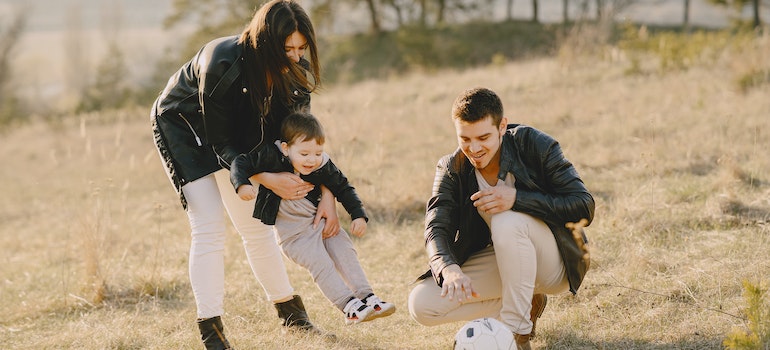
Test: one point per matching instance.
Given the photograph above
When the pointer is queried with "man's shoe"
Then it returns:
(522, 341)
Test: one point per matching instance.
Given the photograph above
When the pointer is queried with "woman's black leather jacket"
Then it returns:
(206, 106)
(212, 86)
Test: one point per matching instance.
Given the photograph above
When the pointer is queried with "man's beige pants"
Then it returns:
(522, 261)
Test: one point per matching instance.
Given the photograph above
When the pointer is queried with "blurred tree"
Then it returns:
(321, 11)
(686, 16)
(441, 12)
(10, 36)
(463, 10)
(213, 15)
(740, 4)
(535, 11)
(599, 9)
(423, 12)
(398, 9)
(606, 10)
(210, 19)
(110, 87)
(406, 12)
(509, 9)
(374, 16)
(77, 71)
(583, 10)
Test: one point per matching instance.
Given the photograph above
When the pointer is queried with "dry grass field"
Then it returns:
(95, 243)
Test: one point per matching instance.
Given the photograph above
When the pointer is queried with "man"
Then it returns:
(496, 225)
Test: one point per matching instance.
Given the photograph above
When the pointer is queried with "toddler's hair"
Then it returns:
(300, 126)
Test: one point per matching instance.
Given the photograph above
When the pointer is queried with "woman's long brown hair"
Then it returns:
(267, 67)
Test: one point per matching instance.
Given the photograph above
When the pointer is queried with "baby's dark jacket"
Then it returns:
(269, 158)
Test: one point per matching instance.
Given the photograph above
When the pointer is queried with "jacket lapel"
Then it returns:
(510, 160)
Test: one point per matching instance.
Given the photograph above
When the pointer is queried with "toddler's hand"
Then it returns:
(247, 192)
(358, 227)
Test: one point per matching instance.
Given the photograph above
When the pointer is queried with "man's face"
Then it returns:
(480, 141)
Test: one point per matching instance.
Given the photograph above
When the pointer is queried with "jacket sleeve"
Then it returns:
(441, 219)
(216, 73)
(346, 194)
(264, 159)
(565, 197)
(241, 170)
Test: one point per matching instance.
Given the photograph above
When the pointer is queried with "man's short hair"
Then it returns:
(476, 104)
(300, 126)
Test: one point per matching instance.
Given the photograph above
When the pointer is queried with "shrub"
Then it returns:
(758, 314)
(673, 50)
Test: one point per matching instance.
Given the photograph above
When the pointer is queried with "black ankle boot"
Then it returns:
(213, 334)
(293, 314)
(294, 317)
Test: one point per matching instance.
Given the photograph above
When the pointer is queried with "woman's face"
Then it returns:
(295, 46)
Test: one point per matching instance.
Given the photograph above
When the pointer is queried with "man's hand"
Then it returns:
(456, 283)
(494, 200)
(327, 210)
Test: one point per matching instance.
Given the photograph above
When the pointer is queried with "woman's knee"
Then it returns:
(256, 233)
(206, 226)
(204, 207)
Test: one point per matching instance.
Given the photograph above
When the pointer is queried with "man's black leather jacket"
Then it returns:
(547, 187)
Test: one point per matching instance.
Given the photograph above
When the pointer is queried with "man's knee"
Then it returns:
(511, 225)
(419, 306)
(511, 220)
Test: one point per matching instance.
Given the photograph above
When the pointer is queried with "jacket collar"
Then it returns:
(509, 162)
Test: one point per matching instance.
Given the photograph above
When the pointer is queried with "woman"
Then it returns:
(229, 99)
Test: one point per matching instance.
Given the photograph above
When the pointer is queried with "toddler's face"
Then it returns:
(305, 155)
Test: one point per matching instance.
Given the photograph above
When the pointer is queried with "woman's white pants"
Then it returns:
(208, 198)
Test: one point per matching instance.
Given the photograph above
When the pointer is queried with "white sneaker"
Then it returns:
(381, 308)
(356, 312)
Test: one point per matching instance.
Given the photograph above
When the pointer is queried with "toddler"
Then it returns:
(332, 261)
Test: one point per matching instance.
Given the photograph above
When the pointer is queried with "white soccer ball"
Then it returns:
(484, 334)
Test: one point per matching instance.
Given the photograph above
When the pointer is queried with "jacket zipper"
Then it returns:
(262, 133)
(197, 139)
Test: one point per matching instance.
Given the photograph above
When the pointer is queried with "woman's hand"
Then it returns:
(285, 185)
(327, 209)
